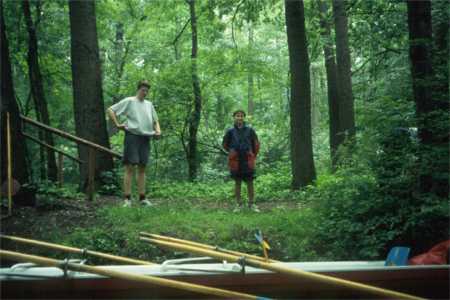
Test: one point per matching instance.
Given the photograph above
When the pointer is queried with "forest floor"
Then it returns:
(39, 221)
(104, 225)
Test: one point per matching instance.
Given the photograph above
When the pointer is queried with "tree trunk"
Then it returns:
(194, 122)
(37, 88)
(346, 110)
(440, 17)
(332, 85)
(303, 169)
(118, 61)
(20, 170)
(431, 106)
(90, 123)
(250, 79)
(220, 111)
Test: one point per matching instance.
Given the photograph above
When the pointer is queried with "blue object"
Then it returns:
(258, 236)
(398, 256)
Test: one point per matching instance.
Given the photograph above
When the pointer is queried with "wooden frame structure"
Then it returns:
(93, 148)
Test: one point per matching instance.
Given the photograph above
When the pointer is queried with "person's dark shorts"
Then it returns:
(248, 176)
(136, 150)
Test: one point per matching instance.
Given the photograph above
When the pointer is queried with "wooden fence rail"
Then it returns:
(71, 137)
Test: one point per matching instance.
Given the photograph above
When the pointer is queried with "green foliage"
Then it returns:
(110, 184)
(370, 203)
(49, 193)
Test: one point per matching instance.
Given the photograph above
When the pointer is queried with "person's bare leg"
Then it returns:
(127, 178)
(237, 191)
(250, 192)
(141, 182)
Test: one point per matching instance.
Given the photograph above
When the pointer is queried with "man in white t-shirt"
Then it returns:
(141, 124)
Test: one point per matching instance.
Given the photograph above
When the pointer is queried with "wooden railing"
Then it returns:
(93, 148)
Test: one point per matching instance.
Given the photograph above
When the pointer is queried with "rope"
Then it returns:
(242, 262)
(84, 253)
(64, 266)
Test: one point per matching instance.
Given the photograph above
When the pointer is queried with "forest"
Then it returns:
(349, 99)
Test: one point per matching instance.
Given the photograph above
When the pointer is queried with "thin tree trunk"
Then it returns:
(303, 169)
(250, 80)
(220, 111)
(440, 25)
(431, 108)
(194, 122)
(9, 104)
(332, 85)
(346, 110)
(119, 56)
(89, 110)
(37, 89)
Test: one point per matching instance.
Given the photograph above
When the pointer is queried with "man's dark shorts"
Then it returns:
(136, 149)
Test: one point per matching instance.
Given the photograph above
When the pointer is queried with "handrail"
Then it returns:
(53, 148)
(70, 136)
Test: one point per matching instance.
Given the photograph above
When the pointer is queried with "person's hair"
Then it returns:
(239, 111)
(142, 83)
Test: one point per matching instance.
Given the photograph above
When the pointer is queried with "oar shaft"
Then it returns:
(204, 246)
(15, 256)
(75, 250)
(289, 271)
(9, 157)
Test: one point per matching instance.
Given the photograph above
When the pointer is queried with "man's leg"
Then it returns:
(250, 192)
(237, 191)
(251, 196)
(127, 178)
(141, 182)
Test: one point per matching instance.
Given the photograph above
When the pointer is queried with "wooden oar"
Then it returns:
(8, 145)
(76, 250)
(379, 292)
(204, 246)
(16, 256)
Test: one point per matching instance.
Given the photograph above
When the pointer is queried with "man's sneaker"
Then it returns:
(254, 208)
(127, 203)
(146, 202)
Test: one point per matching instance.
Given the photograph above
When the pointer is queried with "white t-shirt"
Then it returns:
(140, 115)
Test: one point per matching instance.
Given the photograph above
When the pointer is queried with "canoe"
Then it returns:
(427, 281)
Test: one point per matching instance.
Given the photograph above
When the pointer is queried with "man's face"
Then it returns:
(239, 118)
(142, 92)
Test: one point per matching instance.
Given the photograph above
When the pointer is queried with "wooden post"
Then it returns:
(60, 169)
(91, 174)
(8, 145)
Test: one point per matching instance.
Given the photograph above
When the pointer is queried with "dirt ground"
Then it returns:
(38, 221)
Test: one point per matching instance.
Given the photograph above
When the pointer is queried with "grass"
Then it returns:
(285, 226)
(201, 212)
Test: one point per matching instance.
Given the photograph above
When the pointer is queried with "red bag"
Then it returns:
(438, 255)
